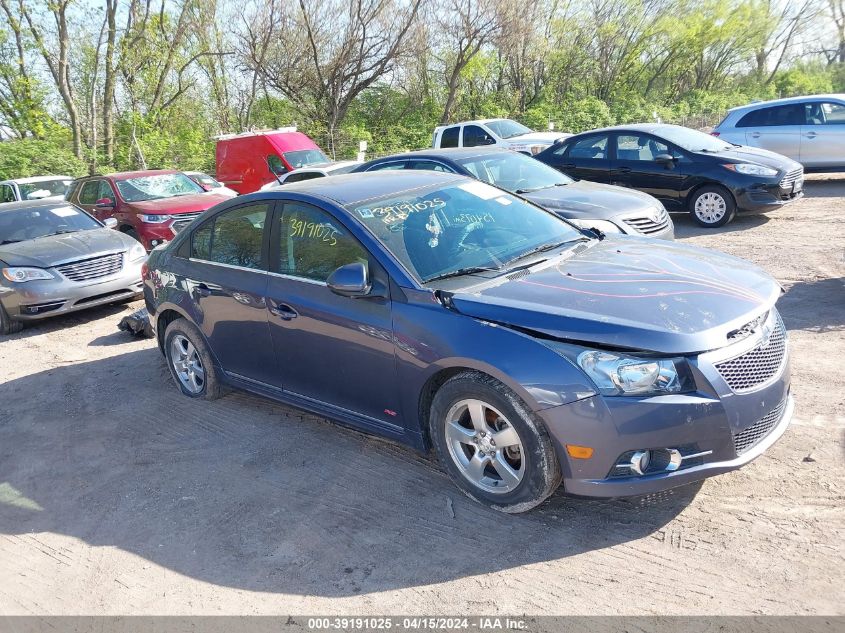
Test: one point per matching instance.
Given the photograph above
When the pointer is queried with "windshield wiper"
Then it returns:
(532, 189)
(468, 270)
(546, 247)
(9, 242)
(62, 232)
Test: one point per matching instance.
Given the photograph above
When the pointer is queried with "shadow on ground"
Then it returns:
(64, 321)
(816, 305)
(246, 493)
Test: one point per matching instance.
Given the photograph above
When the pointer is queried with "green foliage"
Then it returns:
(20, 159)
(804, 80)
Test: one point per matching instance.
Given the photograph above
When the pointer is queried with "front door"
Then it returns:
(635, 165)
(228, 283)
(331, 349)
(823, 136)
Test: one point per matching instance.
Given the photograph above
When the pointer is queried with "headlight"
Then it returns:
(21, 275)
(153, 219)
(750, 169)
(602, 225)
(136, 252)
(618, 374)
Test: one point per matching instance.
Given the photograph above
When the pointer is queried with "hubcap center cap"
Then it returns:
(486, 444)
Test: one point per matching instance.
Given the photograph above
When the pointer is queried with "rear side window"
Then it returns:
(449, 136)
(429, 165)
(89, 192)
(233, 238)
(306, 175)
(590, 147)
(792, 114)
(399, 164)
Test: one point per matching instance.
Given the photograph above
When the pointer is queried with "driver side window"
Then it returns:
(89, 192)
(313, 244)
(105, 191)
(475, 136)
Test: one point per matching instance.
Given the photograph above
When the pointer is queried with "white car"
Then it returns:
(313, 171)
(495, 132)
(209, 183)
(35, 188)
(810, 130)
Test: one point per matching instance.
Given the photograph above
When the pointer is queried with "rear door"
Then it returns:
(635, 166)
(823, 135)
(331, 349)
(227, 280)
(776, 128)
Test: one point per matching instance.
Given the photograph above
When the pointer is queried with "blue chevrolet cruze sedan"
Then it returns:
(450, 315)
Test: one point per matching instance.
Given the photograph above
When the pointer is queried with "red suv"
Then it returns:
(151, 206)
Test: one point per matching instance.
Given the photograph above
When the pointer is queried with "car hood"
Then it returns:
(629, 293)
(582, 199)
(180, 204)
(744, 153)
(537, 137)
(54, 250)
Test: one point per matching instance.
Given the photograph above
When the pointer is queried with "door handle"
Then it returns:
(755, 135)
(811, 135)
(623, 170)
(281, 310)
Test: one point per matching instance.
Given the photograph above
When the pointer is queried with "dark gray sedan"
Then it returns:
(55, 258)
(586, 204)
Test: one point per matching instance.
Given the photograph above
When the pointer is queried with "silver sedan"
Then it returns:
(55, 258)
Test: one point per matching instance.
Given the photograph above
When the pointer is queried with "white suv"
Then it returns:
(494, 132)
(810, 130)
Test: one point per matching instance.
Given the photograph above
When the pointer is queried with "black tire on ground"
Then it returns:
(712, 206)
(8, 325)
(541, 468)
(211, 388)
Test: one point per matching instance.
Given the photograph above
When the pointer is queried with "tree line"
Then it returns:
(123, 84)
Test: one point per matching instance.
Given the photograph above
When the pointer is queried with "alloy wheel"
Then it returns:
(485, 446)
(187, 364)
(710, 207)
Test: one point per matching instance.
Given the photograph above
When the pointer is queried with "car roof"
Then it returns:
(654, 128)
(346, 189)
(786, 101)
(33, 204)
(474, 121)
(31, 179)
(454, 153)
(125, 175)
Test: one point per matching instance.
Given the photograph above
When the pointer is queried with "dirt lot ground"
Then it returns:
(119, 496)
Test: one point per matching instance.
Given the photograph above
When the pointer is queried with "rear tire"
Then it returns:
(712, 206)
(494, 448)
(7, 324)
(189, 361)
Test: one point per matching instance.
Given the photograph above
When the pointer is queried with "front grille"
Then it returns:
(791, 177)
(747, 439)
(648, 225)
(184, 219)
(756, 367)
(93, 268)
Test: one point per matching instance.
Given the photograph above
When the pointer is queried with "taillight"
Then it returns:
(145, 271)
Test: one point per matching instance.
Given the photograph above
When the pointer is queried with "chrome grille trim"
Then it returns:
(789, 179)
(182, 220)
(757, 367)
(93, 268)
(748, 438)
(647, 225)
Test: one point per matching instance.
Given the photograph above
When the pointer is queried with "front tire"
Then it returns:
(189, 361)
(8, 325)
(493, 447)
(712, 206)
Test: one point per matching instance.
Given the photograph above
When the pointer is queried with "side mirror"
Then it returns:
(489, 140)
(111, 223)
(351, 280)
(104, 203)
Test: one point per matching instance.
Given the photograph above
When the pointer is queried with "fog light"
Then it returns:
(640, 461)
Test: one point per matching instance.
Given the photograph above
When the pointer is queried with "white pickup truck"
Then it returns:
(494, 132)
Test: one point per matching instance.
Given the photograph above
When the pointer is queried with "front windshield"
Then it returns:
(34, 222)
(305, 157)
(206, 180)
(505, 128)
(693, 140)
(515, 172)
(156, 187)
(443, 229)
(44, 188)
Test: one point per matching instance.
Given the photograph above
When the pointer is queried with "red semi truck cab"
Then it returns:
(246, 162)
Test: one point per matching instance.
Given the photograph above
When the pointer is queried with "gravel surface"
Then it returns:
(119, 496)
